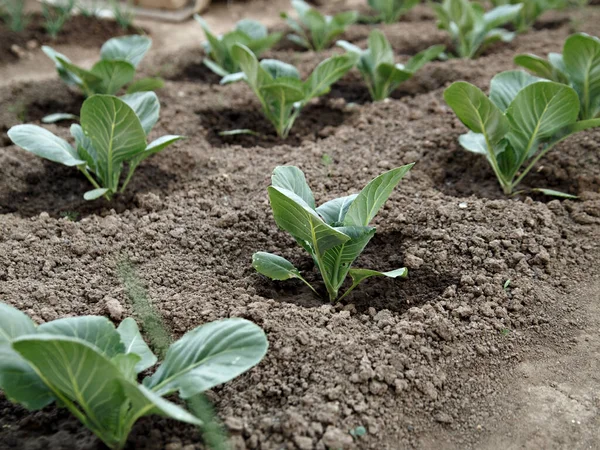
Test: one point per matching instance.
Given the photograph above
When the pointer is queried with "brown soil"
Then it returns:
(87, 32)
(448, 358)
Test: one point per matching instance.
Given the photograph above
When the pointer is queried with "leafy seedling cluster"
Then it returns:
(91, 368)
(531, 11)
(389, 11)
(334, 234)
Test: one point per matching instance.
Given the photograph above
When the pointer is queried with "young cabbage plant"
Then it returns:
(471, 28)
(56, 16)
(376, 64)
(14, 14)
(578, 66)
(278, 86)
(113, 132)
(91, 368)
(389, 11)
(247, 32)
(314, 30)
(119, 58)
(522, 120)
(531, 10)
(334, 234)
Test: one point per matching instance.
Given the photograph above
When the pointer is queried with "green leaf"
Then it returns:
(537, 66)
(209, 355)
(277, 69)
(255, 74)
(293, 179)
(373, 196)
(233, 78)
(327, 73)
(159, 145)
(97, 331)
(115, 132)
(251, 28)
(95, 194)
(581, 55)
(146, 107)
(537, 112)
(474, 142)
(42, 142)
(423, 57)
(476, 111)
(216, 68)
(501, 15)
(67, 76)
(286, 91)
(146, 84)
(275, 267)
(131, 49)
(334, 211)
(85, 149)
(134, 343)
(505, 86)
(358, 275)
(57, 117)
(126, 363)
(554, 193)
(295, 216)
(114, 75)
(17, 379)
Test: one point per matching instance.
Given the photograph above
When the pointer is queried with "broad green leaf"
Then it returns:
(67, 76)
(158, 145)
(115, 131)
(216, 68)
(53, 118)
(261, 45)
(536, 65)
(501, 15)
(96, 331)
(293, 179)
(286, 91)
(474, 142)
(505, 86)
(114, 75)
(131, 49)
(85, 149)
(207, 356)
(95, 194)
(327, 73)
(146, 106)
(388, 78)
(255, 74)
(581, 55)
(537, 112)
(88, 81)
(17, 379)
(554, 193)
(334, 211)
(81, 374)
(278, 69)
(253, 29)
(368, 202)
(134, 343)
(42, 142)
(423, 57)
(145, 84)
(126, 363)
(295, 216)
(274, 267)
(337, 260)
(476, 111)
(359, 275)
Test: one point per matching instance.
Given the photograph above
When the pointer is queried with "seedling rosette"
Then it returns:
(522, 120)
(113, 132)
(389, 11)
(91, 368)
(377, 67)
(334, 234)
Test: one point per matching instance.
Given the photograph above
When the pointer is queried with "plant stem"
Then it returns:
(91, 179)
(132, 168)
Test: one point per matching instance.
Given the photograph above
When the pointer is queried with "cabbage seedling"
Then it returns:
(578, 66)
(278, 86)
(390, 11)
(314, 30)
(119, 58)
(522, 120)
(531, 10)
(334, 234)
(91, 368)
(247, 32)
(376, 64)
(471, 28)
(113, 132)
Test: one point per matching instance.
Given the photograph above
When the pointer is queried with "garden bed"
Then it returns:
(423, 362)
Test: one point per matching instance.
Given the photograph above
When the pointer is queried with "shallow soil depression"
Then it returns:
(490, 343)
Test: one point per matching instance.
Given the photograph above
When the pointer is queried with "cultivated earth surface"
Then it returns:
(454, 357)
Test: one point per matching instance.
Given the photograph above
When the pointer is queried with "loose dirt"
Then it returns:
(490, 342)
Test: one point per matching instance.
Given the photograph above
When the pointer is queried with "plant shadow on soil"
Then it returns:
(195, 71)
(314, 122)
(59, 190)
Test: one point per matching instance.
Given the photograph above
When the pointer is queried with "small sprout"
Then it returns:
(334, 234)
(113, 132)
(313, 30)
(358, 432)
(91, 368)
(522, 120)
(472, 29)
(578, 66)
(389, 11)
(506, 285)
(278, 86)
(70, 215)
(377, 67)
(505, 332)
(247, 32)
(326, 160)
(119, 58)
